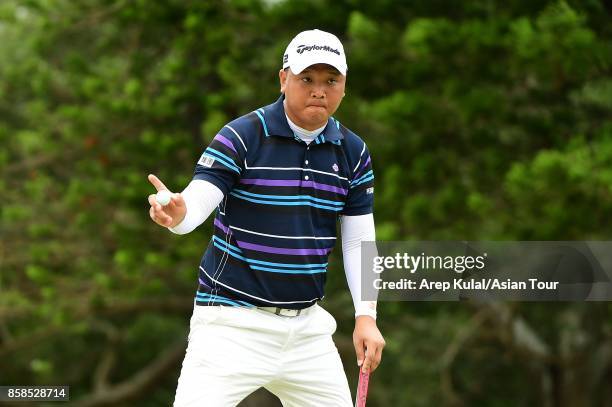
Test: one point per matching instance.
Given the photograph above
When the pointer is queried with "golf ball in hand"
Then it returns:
(163, 197)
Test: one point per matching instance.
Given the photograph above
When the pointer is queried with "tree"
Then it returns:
(485, 121)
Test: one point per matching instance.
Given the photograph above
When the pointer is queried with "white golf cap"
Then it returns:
(314, 47)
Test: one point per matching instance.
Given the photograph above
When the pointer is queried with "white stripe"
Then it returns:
(258, 298)
(292, 169)
(359, 162)
(237, 135)
(283, 237)
(221, 266)
(224, 201)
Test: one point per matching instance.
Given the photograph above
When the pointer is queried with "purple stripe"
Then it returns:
(221, 226)
(362, 168)
(282, 250)
(293, 183)
(225, 141)
(203, 283)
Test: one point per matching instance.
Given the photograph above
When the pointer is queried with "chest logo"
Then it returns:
(335, 167)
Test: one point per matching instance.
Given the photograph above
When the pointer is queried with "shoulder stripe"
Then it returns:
(370, 178)
(226, 142)
(363, 167)
(221, 155)
(361, 178)
(237, 135)
(215, 155)
(263, 122)
(361, 154)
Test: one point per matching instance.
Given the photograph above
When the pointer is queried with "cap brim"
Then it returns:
(296, 69)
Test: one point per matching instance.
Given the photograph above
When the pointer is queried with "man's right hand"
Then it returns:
(170, 215)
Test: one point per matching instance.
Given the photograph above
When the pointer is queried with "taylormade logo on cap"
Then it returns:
(302, 48)
(314, 47)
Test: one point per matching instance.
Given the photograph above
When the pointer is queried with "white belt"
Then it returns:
(284, 312)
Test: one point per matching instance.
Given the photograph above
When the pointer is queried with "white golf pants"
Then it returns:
(233, 351)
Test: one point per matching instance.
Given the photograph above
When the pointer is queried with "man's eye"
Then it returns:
(333, 81)
(305, 79)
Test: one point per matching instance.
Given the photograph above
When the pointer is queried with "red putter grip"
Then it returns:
(362, 389)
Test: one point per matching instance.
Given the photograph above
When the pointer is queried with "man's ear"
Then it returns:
(282, 76)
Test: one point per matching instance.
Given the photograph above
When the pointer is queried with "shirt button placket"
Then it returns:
(306, 161)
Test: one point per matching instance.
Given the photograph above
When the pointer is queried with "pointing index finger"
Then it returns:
(156, 182)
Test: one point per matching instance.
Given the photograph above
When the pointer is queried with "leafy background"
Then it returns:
(486, 120)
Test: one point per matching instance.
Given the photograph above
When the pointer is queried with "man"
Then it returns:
(280, 177)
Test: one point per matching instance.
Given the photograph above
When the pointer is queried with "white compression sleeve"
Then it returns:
(356, 229)
(201, 198)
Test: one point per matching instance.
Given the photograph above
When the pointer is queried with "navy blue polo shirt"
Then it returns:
(276, 226)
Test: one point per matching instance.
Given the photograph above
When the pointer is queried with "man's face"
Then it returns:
(313, 95)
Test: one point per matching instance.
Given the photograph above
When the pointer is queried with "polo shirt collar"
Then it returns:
(276, 124)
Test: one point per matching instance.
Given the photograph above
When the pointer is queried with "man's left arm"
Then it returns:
(367, 339)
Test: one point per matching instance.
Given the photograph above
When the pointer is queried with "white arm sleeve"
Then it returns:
(201, 198)
(356, 229)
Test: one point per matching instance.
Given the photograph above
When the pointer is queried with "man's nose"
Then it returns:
(318, 92)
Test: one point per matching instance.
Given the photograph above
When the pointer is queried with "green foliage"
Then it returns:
(485, 120)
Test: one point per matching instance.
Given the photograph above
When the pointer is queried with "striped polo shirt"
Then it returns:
(276, 225)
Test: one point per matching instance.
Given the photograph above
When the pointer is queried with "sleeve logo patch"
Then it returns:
(206, 161)
(335, 167)
(370, 190)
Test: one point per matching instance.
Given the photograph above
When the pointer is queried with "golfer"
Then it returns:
(280, 178)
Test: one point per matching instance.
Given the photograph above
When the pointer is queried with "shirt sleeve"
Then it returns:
(356, 229)
(222, 162)
(360, 199)
(201, 198)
